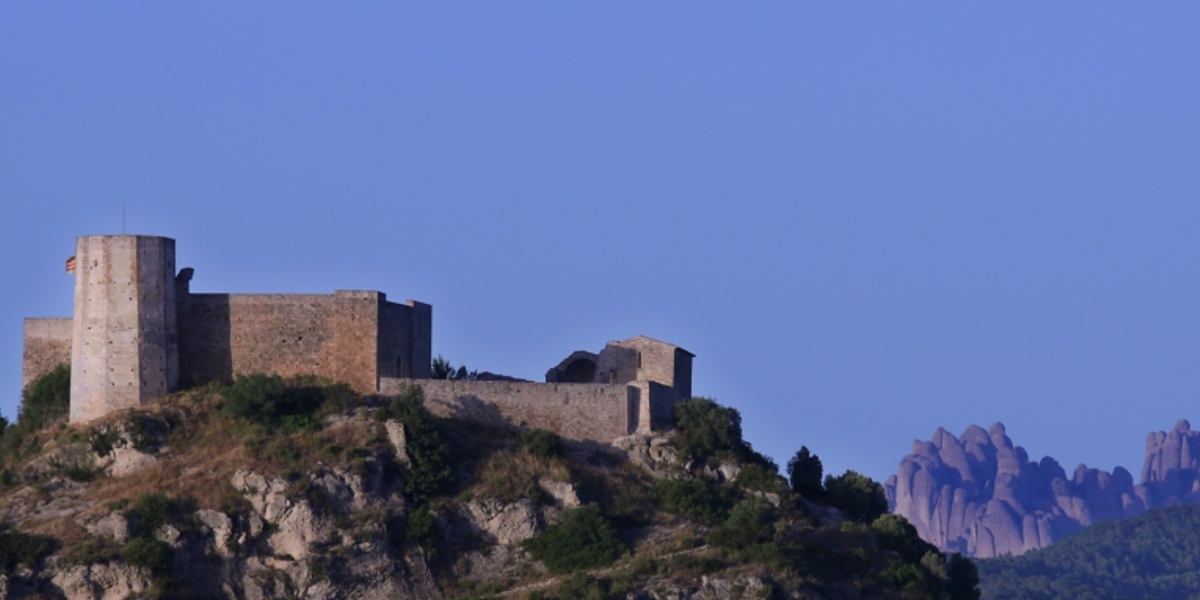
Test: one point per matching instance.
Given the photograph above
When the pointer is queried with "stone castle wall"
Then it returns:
(349, 336)
(47, 345)
(576, 411)
(138, 332)
(123, 348)
(664, 363)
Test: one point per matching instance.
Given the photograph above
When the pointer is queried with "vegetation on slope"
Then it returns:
(721, 510)
(1155, 555)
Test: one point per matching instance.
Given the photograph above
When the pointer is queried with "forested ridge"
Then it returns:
(1155, 555)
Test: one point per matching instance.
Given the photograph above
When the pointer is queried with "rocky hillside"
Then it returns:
(301, 489)
(980, 495)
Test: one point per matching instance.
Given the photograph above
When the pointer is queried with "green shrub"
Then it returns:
(906, 577)
(151, 512)
(318, 571)
(149, 554)
(750, 522)
(421, 528)
(272, 401)
(644, 566)
(708, 429)
(582, 586)
(102, 440)
(17, 548)
(763, 478)
(858, 497)
(583, 539)
(429, 454)
(896, 533)
(687, 564)
(540, 442)
(93, 551)
(697, 499)
(804, 474)
(44, 401)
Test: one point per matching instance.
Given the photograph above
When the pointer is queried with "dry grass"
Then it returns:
(510, 474)
(206, 450)
(64, 530)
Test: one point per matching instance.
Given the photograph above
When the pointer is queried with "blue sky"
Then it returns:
(866, 220)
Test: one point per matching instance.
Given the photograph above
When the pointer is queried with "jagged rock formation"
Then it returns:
(1172, 467)
(980, 495)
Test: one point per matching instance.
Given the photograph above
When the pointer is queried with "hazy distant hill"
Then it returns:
(1153, 556)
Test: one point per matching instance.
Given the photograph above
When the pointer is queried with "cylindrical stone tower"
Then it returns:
(124, 348)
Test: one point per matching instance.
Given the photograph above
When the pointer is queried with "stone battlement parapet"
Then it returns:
(138, 332)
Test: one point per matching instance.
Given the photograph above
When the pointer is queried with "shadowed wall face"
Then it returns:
(47, 345)
(575, 411)
(124, 339)
(404, 339)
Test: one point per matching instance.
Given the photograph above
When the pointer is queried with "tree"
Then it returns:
(858, 497)
(804, 473)
(963, 578)
(442, 369)
(709, 428)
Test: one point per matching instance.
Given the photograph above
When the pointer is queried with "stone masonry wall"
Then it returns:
(124, 323)
(335, 336)
(404, 339)
(576, 411)
(47, 345)
(657, 361)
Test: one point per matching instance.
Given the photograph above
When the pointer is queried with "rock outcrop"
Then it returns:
(981, 496)
(1172, 466)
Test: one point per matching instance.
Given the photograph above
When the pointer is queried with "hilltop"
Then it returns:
(302, 488)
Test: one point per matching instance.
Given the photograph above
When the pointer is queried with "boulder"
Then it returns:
(222, 529)
(112, 581)
(113, 525)
(127, 461)
(563, 492)
(508, 524)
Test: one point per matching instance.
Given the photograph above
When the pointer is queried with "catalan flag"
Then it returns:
(71, 265)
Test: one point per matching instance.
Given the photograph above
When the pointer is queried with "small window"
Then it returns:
(639, 360)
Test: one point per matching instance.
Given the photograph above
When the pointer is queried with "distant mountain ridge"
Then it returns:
(980, 495)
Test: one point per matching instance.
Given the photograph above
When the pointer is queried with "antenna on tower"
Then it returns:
(122, 218)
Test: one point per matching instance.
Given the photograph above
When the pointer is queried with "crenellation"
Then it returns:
(138, 331)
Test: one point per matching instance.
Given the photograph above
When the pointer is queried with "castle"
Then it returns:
(139, 333)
